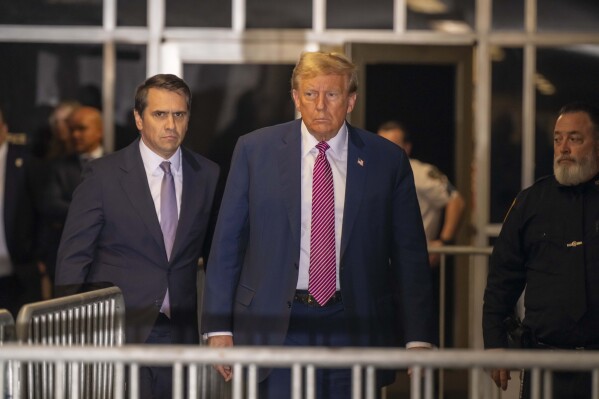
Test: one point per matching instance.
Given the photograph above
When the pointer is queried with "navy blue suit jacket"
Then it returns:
(112, 235)
(253, 268)
(20, 217)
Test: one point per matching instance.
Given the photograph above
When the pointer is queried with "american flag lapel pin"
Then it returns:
(360, 162)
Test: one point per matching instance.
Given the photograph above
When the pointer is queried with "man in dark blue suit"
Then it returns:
(116, 231)
(19, 277)
(260, 288)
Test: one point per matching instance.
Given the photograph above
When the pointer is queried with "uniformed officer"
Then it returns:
(550, 244)
(441, 205)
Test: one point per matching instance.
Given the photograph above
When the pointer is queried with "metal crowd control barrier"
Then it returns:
(7, 335)
(7, 326)
(445, 251)
(303, 362)
(94, 318)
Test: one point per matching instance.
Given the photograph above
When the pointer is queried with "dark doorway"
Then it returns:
(428, 89)
(421, 98)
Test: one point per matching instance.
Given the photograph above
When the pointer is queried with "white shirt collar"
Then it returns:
(93, 154)
(152, 160)
(337, 144)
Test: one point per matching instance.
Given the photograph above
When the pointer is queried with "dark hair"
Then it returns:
(393, 125)
(164, 82)
(590, 109)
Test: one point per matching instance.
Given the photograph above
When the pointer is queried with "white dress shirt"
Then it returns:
(337, 157)
(154, 174)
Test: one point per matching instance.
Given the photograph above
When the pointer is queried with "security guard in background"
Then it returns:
(550, 244)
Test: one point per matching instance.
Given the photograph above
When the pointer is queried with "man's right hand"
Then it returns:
(501, 377)
(222, 341)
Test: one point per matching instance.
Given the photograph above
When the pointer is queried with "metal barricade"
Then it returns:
(7, 335)
(303, 363)
(94, 318)
(7, 326)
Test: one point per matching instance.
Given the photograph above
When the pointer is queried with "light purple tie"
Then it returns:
(323, 266)
(168, 219)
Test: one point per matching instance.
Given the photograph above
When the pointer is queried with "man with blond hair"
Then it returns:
(319, 228)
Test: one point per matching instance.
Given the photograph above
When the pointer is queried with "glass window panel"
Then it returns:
(508, 14)
(231, 100)
(35, 77)
(198, 14)
(449, 16)
(55, 12)
(132, 12)
(506, 130)
(130, 72)
(350, 14)
(571, 15)
(282, 14)
(565, 75)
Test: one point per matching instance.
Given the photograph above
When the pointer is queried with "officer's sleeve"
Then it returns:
(506, 278)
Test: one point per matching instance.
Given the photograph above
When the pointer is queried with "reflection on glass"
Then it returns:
(350, 14)
(282, 14)
(571, 71)
(132, 13)
(231, 100)
(506, 130)
(36, 77)
(130, 72)
(455, 16)
(572, 15)
(55, 12)
(198, 14)
(508, 15)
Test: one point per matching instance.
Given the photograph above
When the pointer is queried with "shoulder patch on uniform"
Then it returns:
(435, 173)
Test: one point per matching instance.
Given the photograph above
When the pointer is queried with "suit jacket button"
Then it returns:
(289, 304)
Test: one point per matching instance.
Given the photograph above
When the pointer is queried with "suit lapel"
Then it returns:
(135, 185)
(10, 195)
(357, 164)
(289, 161)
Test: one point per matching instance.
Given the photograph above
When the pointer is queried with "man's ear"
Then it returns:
(139, 122)
(295, 96)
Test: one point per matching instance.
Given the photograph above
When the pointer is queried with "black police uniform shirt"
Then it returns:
(549, 244)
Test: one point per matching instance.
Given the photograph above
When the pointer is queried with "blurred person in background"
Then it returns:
(85, 128)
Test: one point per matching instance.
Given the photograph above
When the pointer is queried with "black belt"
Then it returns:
(306, 298)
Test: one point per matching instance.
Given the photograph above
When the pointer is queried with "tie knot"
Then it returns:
(166, 167)
(322, 147)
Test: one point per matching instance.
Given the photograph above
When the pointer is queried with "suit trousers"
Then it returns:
(315, 327)
(157, 382)
(9, 294)
(566, 385)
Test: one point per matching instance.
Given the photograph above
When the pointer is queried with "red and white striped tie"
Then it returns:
(323, 268)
